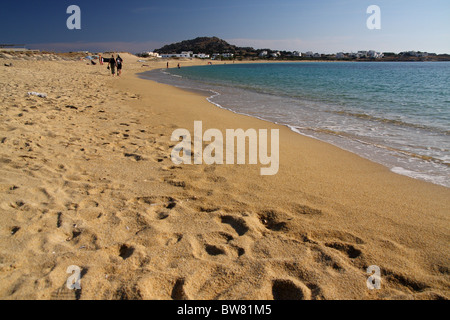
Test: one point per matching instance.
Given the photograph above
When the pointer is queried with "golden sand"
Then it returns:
(87, 180)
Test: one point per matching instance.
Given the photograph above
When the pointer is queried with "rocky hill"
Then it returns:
(208, 45)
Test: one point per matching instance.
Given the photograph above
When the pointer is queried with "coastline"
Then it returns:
(161, 231)
(388, 154)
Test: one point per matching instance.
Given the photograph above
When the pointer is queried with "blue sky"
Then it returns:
(325, 26)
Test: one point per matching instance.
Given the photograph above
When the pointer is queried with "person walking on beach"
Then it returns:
(119, 62)
(112, 65)
(167, 65)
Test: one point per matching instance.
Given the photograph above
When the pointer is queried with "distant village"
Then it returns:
(230, 52)
(297, 55)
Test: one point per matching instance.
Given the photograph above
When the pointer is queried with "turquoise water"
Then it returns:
(397, 114)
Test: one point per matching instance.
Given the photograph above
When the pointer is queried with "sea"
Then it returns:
(393, 113)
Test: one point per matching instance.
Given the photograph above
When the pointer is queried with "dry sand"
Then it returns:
(86, 179)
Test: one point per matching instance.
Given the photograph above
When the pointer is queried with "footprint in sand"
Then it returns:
(208, 209)
(175, 183)
(213, 250)
(174, 239)
(271, 220)
(237, 223)
(178, 291)
(126, 251)
(403, 281)
(216, 244)
(323, 258)
(134, 156)
(348, 249)
(159, 207)
(287, 289)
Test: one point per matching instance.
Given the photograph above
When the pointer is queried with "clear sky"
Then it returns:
(324, 26)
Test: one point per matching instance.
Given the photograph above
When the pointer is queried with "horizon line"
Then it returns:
(139, 47)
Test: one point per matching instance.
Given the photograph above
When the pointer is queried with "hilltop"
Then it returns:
(207, 45)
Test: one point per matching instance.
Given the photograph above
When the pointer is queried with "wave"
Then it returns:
(360, 140)
(391, 121)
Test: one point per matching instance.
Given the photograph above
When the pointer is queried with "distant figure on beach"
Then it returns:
(167, 64)
(179, 67)
(119, 62)
(100, 59)
(112, 65)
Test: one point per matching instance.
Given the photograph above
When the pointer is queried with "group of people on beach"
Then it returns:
(113, 64)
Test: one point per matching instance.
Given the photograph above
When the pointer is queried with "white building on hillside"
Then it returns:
(187, 54)
(184, 54)
(276, 54)
(374, 54)
(361, 54)
(222, 55)
(201, 56)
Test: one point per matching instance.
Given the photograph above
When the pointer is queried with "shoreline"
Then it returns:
(87, 180)
(404, 171)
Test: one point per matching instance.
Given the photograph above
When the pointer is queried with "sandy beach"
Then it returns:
(87, 180)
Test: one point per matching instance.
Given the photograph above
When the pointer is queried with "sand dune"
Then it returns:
(86, 180)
